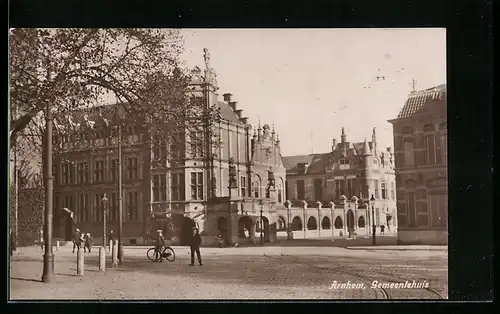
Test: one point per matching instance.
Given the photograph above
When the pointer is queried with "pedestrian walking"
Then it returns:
(88, 243)
(12, 242)
(195, 246)
(76, 240)
(382, 228)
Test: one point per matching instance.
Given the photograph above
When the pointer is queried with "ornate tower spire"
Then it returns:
(342, 136)
(374, 140)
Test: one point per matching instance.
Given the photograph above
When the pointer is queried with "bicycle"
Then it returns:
(168, 253)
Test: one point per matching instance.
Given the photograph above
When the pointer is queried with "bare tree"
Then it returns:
(75, 68)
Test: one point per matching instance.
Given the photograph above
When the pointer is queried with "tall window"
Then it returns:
(197, 185)
(318, 189)
(409, 154)
(159, 188)
(377, 196)
(301, 190)
(280, 195)
(114, 170)
(83, 208)
(430, 145)
(68, 173)
(98, 212)
(410, 209)
(177, 186)
(132, 168)
(438, 207)
(338, 191)
(113, 207)
(384, 191)
(349, 188)
(392, 190)
(159, 151)
(132, 206)
(256, 187)
(99, 171)
(82, 172)
(197, 144)
(177, 145)
(243, 186)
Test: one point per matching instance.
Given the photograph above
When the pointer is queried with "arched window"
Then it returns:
(338, 223)
(296, 223)
(281, 224)
(325, 223)
(361, 222)
(312, 224)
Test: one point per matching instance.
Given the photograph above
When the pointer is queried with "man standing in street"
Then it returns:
(195, 246)
(76, 240)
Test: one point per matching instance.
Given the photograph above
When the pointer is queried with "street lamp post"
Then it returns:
(261, 203)
(48, 258)
(304, 209)
(372, 201)
(120, 197)
(232, 185)
(332, 207)
(104, 201)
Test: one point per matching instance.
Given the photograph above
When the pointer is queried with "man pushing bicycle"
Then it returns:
(160, 244)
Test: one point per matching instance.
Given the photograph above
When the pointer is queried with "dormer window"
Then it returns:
(302, 167)
(344, 164)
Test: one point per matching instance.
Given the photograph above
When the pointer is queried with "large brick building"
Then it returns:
(171, 188)
(359, 169)
(420, 149)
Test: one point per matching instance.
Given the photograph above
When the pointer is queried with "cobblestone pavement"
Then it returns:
(234, 273)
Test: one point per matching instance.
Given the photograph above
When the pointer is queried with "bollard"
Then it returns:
(57, 245)
(120, 261)
(102, 259)
(80, 262)
(114, 256)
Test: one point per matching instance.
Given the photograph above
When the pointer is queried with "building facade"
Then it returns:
(347, 176)
(234, 188)
(420, 149)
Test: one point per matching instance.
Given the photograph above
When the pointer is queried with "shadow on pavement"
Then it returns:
(258, 270)
(338, 242)
(26, 279)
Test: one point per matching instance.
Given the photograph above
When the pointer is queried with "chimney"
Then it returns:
(334, 144)
(244, 120)
(227, 97)
(232, 104)
(238, 112)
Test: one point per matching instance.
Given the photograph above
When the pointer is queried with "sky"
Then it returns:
(310, 83)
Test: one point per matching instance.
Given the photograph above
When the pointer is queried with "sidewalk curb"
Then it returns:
(395, 249)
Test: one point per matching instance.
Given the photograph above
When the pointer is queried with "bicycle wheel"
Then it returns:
(169, 254)
(152, 254)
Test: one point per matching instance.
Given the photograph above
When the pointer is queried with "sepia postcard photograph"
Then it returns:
(228, 164)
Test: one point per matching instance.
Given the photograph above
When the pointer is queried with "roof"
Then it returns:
(228, 113)
(316, 163)
(360, 146)
(423, 101)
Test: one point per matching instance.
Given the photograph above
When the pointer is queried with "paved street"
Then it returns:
(270, 272)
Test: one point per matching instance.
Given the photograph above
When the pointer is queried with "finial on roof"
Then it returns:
(414, 85)
(374, 130)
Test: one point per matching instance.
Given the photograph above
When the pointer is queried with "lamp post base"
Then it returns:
(48, 268)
